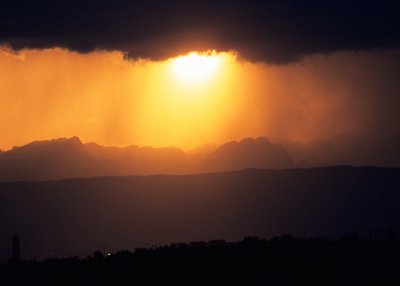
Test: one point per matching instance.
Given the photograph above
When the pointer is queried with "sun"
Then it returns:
(196, 67)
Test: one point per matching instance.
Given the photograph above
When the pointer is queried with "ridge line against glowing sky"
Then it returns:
(198, 74)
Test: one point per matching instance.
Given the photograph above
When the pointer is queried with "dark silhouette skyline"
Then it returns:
(282, 260)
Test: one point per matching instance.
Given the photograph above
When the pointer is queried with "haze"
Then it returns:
(109, 99)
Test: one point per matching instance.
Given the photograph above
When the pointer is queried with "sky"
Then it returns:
(195, 74)
(110, 71)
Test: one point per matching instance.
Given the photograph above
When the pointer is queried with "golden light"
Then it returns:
(102, 97)
(196, 67)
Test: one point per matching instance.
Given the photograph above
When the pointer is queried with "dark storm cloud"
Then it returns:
(270, 31)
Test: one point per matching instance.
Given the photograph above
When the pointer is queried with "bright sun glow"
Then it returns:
(196, 67)
(185, 101)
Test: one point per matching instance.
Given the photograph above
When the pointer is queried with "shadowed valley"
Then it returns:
(77, 216)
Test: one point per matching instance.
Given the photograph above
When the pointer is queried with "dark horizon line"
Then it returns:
(375, 235)
(294, 169)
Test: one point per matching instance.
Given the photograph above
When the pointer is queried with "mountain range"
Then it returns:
(70, 158)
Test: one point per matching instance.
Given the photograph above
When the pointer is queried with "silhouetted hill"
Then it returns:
(248, 153)
(77, 216)
(69, 158)
(43, 160)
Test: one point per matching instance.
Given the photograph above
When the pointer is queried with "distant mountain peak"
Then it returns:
(69, 157)
(249, 153)
(40, 143)
(75, 139)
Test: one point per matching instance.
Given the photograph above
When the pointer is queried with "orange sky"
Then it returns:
(104, 98)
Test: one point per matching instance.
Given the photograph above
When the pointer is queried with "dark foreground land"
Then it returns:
(77, 216)
(282, 260)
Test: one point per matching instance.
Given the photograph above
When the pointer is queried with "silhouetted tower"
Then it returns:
(15, 248)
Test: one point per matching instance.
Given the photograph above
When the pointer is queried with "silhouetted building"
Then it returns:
(16, 255)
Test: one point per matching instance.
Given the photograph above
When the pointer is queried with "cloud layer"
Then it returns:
(268, 31)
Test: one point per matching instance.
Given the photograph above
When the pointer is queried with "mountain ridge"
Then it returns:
(69, 157)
